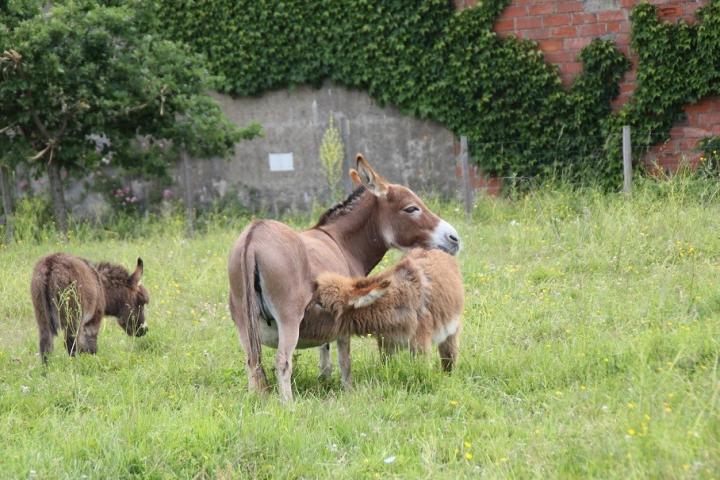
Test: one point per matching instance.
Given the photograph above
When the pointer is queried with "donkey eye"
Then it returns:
(411, 209)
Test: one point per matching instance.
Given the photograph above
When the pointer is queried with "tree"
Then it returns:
(76, 71)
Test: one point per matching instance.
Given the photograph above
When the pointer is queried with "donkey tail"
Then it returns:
(47, 321)
(244, 306)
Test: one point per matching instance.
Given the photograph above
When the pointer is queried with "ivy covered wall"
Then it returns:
(450, 66)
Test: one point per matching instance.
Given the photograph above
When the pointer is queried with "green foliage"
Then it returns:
(332, 152)
(710, 154)
(425, 58)
(83, 69)
(678, 64)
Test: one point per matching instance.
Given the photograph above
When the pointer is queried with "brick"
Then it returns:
(692, 132)
(571, 68)
(507, 25)
(622, 39)
(581, 18)
(705, 105)
(563, 32)
(618, 103)
(669, 12)
(536, 34)
(691, 8)
(592, 30)
(515, 11)
(542, 9)
(560, 56)
(612, 16)
(627, 88)
(556, 20)
(686, 145)
(550, 45)
(576, 43)
(568, 7)
(613, 27)
(707, 119)
(527, 23)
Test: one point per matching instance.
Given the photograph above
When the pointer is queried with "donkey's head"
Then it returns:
(403, 219)
(126, 297)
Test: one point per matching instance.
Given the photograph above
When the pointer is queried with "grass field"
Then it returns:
(590, 349)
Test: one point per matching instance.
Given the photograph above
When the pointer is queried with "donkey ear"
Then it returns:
(355, 177)
(370, 178)
(364, 297)
(137, 274)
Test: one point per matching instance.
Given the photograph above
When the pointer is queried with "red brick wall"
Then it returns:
(563, 27)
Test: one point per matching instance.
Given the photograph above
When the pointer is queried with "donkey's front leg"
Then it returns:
(87, 337)
(325, 362)
(343, 344)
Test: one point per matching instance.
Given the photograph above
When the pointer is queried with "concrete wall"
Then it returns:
(416, 153)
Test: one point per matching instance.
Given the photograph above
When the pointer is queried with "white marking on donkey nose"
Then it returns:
(446, 238)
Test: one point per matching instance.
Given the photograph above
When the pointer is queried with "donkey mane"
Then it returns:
(341, 208)
(115, 275)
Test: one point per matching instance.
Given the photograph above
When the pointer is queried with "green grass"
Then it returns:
(590, 349)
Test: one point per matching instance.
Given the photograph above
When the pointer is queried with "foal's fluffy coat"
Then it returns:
(71, 293)
(412, 305)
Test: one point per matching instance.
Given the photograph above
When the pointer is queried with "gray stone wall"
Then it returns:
(404, 149)
(416, 153)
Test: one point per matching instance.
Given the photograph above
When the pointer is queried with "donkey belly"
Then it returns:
(444, 331)
(269, 336)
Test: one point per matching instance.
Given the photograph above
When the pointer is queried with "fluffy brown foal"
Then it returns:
(71, 293)
(415, 304)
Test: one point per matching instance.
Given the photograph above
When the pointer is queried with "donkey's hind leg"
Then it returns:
(255, 372)
(449, 351)
(288, 334)
(325, 362)
(46, 343)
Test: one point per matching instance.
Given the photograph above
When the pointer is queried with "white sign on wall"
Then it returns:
(281, 162)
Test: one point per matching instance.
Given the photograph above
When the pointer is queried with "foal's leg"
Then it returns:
(288, 334)
(46, 343)
(449, 351)
(70, 342)
(343, 344)
(387, 348)
(325, 361)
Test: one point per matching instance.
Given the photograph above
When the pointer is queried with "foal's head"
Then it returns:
(337, 294)
(126, 297)
(404, 220)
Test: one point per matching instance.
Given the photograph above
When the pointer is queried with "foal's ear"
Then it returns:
(369, 177)
(366, 296)
(137, 274)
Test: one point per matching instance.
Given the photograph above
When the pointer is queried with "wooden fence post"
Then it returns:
(627, 159)
(189, 201)
(467, 187)
(5, 179)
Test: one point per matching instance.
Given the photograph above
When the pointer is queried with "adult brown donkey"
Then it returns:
(272, 269)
